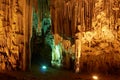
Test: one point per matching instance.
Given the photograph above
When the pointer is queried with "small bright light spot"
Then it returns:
(44, 67)
(95, 77)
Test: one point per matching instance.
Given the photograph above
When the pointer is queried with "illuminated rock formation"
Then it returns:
(78, 40)
(14, 34)
(99, 20)
(53, 25)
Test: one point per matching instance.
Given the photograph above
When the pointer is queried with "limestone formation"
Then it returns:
(12, 34)
(53, 25)
(99, 20)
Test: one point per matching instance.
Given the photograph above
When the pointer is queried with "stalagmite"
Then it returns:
(78, 36)
(99, 20)
(75, 24)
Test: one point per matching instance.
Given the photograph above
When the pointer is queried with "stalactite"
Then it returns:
(97, 19)
(82, 17)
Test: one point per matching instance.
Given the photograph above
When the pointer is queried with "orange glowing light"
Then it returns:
(95, 77)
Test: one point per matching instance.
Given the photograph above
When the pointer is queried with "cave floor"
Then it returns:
(53, 74)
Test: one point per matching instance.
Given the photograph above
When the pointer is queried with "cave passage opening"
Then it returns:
(42, 40)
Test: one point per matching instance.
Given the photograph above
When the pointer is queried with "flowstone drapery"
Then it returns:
(99, 20)
(10, 34)
(13, 38)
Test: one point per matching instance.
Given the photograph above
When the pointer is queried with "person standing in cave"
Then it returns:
(78, 37)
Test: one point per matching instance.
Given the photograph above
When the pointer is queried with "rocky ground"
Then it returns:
(54, 74)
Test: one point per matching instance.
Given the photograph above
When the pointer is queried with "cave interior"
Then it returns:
(79, 35)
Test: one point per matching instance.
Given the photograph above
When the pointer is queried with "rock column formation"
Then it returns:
(99, 20)
(15, 31)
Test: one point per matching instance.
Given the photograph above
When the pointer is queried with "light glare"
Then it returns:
(44, 67)
(95, 77)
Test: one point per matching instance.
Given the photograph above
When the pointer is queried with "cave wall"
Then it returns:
(99, 22)
(15, 31)
(67, 14)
